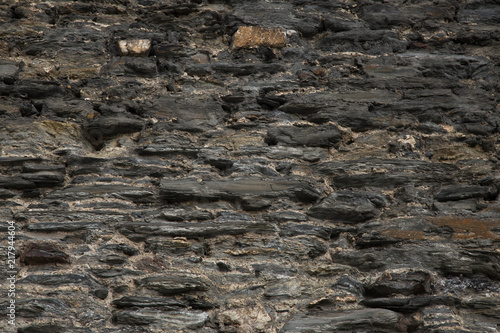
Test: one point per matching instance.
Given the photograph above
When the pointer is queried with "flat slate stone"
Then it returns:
(42, 253)
(63, 226)
(379, 320)
(168, 285)
(234, 189)
(294, 229)
(312, 136)
(410, 304)
(408, 283)
(44, 178)
(129, 193)
(147, 302)
(142, 231)
(58, 280)
(461, 192)
(348, 206)
(16, 183)
(169, 320)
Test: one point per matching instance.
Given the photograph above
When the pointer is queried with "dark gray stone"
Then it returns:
(360, 320)
(167, 151)
(113, 259)
(5, 194)
(16, 183)
(114, 272)
(106, 127)
(142, 231)
(295, 229)
(378, 179)
(66, 226)
(411, 304)
(347, 283)
(146, 302)
(461, 192)
(40, 253)
(171, 320)
(182, 214)
(285, 216)
(349, 206)
(408, 283)
(247, 69)
(124, 248)
(131, 66)
(168, 285)
(45, 178)
(140, 195)
(323, 136)
(8, 71)
(231, 190)
(383, 16)
(63, 279)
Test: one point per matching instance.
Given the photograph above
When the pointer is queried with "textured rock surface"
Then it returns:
(251, 166)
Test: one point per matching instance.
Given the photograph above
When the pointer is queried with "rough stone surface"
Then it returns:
(258, 36)
(243, 166)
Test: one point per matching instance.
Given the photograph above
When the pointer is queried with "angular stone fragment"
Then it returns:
(134, 47)
(43, 253)
(258, 36)
(169, 285)
(349, 206)
(235, 189)
(408, 283)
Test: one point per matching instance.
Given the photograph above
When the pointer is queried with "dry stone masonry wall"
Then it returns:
(251, 166)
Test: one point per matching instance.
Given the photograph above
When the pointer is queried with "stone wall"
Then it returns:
(250, 166)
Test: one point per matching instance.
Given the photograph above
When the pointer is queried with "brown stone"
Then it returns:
(258, 36)
(43, 254)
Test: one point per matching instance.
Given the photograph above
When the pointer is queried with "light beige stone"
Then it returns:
(135, 47)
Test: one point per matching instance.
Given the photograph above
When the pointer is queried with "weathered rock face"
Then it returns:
(250, 166)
